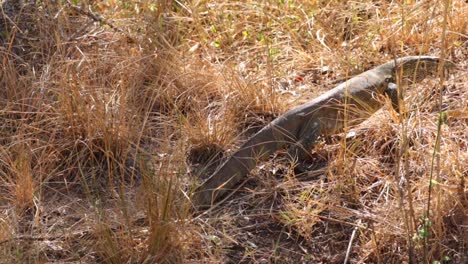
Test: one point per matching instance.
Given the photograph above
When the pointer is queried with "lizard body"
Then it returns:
(348, 104)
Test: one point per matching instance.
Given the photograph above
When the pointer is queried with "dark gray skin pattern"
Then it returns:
(348, 104)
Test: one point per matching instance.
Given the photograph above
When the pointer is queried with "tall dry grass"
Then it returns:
(111, 110)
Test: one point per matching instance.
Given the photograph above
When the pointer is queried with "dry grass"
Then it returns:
(107, 106)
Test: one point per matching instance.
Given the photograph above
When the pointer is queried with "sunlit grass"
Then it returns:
(107, 106)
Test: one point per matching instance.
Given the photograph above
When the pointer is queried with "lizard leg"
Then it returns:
(300, 151)
(392, 92)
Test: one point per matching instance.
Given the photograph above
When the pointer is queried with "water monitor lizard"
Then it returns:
(348, 104)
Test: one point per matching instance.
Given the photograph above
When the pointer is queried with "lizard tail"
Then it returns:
(259, 147)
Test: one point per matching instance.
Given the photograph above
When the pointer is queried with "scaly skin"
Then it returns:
(352, 101)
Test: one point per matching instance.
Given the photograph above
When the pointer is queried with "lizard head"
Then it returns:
(416, 68)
